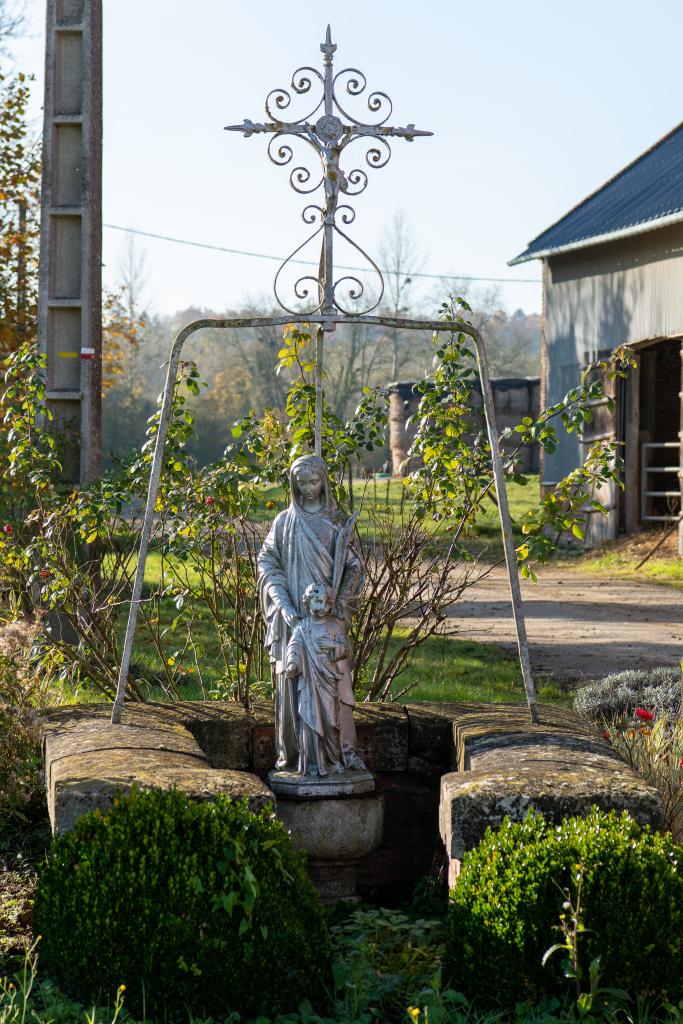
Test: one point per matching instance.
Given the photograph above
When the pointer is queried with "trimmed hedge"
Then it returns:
(505, 909)
(191, 905)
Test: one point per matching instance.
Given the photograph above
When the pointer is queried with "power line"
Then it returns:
(314, 263)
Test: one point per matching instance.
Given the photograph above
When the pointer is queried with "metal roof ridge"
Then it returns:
(524, 259)
(584, 243)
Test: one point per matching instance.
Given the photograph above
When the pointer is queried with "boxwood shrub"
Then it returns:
(505, 909)
(199, 906)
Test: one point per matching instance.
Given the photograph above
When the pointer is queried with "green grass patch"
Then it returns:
(445, 669)
(442, 669)
(621, 559)
(391, 493)
(615, 564)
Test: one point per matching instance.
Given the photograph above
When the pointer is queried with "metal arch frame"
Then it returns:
(327, 322)
(327, 138)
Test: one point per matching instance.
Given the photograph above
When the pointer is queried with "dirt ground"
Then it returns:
(579, 626)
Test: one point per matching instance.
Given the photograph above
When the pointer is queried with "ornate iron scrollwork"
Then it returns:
(328, 136)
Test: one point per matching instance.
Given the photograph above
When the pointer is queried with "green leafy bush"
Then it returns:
(22, 695)
(658, 689)
(383, 960)
(199, 905)
(506, 909)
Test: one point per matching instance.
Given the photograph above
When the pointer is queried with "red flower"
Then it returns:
(606, 736)
(210, 500)
(44, 574)
(643, 713)
(680, 763)
(8, 529)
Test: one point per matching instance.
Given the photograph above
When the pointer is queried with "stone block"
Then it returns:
(382, 731)
(477, 727)
(223, 730)
(74, 716)
(557, 786)
(88, 782)
(431, 747)
(507, 767)
(88, 761)
(96, 736)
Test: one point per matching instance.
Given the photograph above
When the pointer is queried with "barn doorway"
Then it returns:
(659, 409)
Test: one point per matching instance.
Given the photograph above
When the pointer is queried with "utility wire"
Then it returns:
(314, 263)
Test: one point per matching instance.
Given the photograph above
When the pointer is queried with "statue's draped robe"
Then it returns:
(318, 683)
(298, 551)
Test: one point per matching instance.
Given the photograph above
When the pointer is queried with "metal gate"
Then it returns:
(659, 482)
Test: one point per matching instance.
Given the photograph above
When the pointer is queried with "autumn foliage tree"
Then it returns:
(19, 216)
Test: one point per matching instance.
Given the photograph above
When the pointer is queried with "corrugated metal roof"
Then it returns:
(646, 194)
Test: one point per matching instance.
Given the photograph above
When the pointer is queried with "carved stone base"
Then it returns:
(335, 833)
(335, 880)
(293, 786)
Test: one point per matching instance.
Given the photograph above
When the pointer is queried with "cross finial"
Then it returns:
(328, 47)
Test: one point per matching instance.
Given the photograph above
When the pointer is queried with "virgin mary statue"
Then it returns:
(309, 543)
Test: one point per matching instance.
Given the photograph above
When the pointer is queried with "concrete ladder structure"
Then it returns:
(70, 297)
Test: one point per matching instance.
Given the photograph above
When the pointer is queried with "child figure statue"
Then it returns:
(317, 663)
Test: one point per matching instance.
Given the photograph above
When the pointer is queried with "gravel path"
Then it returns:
(580, 626)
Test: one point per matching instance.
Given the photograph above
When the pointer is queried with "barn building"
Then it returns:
(612, 275)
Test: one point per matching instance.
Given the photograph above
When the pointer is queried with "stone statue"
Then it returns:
(318, 666)
(310, 573)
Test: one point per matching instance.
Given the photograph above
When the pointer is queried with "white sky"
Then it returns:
(533, 105)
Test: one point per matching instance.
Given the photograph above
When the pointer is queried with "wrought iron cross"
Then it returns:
(328, 136)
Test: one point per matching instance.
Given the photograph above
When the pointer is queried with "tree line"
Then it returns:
(239, 367)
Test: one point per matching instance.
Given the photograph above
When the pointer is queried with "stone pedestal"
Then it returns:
(337, 820)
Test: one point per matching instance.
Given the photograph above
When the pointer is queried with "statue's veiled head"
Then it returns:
(309, 481)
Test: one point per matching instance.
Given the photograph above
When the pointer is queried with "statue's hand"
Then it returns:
(292, 669)
(290, 616)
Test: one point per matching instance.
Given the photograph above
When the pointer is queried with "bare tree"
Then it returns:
(512, 340)
(133, 277)
(400, 260)
(12, 22)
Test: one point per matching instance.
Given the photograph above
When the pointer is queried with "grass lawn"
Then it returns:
(392, 494)
(447, 669)
(620, 559)
(442, 669)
